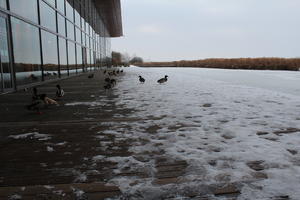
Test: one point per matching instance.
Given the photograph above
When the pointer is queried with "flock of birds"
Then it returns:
(42, 100)
(110, 82)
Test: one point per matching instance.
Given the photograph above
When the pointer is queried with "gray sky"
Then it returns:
(166, 30)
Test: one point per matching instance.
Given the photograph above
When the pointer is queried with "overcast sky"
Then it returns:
(166, 30)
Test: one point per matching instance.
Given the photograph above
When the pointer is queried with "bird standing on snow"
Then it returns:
(141, 79)
(163, 80)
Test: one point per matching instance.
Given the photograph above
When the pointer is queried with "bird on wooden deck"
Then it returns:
(107, 86)
(141, 79)
(163, 80)
(113, 82)
(59, 92)
(91, 76)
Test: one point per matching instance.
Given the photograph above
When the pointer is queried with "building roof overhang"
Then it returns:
(110, 11)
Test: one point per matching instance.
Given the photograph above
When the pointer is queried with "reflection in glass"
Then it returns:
(77, 18)
(27, 9)
(52, 2)
(79, 58)
(27, 63)
(70, 30)
(61, 25)
(69, 11)
(3, 4)
(63, 57)
(78, 35)
(48, 18)
(50, 57)
(61, 5)
(71, 57)
(5, 76)
(83, 38)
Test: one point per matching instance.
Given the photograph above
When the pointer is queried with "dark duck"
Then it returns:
(163, 80)
(141, 79)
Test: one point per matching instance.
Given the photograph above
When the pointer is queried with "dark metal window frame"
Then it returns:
(86, 12)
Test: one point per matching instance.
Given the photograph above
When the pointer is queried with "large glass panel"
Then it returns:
(61, 5)
(83, 38)
(52, 2)
(26, 47)
(78, 35)
(71, 57)
(27, 9)
(79, 58)
(70, 30)
(88, 59)
(77, 18)
(61, 25)
(69, 11)
(5, 68)
(63, 57)
(50, 57)
(3, 4)
(48, 18)
(82, 22)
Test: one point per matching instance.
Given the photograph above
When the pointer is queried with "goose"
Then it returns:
(163, 80)
(141, 79)
(91, 76)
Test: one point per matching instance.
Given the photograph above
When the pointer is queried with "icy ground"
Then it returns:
(240, 127)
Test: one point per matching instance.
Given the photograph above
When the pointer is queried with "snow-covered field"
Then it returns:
(230, 126)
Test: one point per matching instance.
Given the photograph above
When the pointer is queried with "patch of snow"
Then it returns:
(15, 197)
(34, 135)
(50, 149)
(92, 104)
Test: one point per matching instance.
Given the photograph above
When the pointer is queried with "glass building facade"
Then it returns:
(44, 40)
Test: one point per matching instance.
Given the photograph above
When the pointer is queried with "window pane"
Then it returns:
(4, 55)
(48, 18)
(70, 30)
(71, 57)
(3, 4)
(61, 25)
(79, 58)
(52, 2)
(63, 57)
(27, 9)
(50, 57)
(83, 38)
(61, 6)
(69, 11)
(77, 18)
(78, 35)
(27, 63)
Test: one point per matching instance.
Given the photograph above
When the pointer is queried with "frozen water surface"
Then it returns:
(230, 126)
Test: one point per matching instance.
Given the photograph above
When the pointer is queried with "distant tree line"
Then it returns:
(124, 59)
(234, 63)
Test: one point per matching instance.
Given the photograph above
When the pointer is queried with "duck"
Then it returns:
(59, 92)
(107, 80)
(107, 86)
(113, 82)
(91, 76)
(141, 79)
(163, 80)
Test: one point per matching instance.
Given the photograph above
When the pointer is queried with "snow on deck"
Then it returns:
(230, 126)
